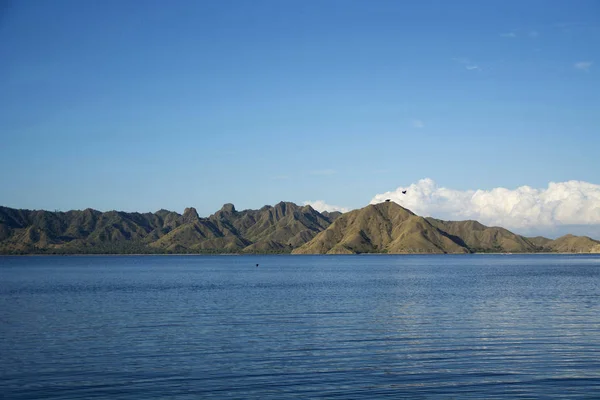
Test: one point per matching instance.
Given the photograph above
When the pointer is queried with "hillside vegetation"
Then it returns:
(284, 228)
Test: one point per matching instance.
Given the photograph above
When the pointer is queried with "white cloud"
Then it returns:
(321, 206)
(523, 209)
(468, 64)
(520, 33)
(323, 172)
(583, 65)
(417, 123)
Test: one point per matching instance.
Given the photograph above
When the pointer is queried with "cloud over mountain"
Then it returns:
(524, 209)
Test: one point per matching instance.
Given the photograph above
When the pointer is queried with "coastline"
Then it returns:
(288, 254)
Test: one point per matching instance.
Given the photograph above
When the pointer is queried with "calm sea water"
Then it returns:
(189, 327)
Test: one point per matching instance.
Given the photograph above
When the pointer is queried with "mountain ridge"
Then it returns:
(284, 227)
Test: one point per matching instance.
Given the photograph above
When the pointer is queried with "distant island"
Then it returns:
(385, 228)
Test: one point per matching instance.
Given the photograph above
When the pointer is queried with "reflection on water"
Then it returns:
(300, 326)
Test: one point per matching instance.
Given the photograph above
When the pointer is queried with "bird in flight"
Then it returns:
(404, 192)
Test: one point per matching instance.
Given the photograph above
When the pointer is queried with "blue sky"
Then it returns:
(142, 105)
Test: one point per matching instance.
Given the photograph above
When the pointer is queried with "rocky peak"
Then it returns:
(285, 207)
(190, 215)
(228, 208)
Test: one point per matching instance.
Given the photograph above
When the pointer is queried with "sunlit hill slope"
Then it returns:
(284, 228)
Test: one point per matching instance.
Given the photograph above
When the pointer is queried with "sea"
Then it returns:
(300, 327)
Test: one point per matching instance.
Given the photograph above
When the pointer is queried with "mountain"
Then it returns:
(573, 244)
(283, 228)
(276, 229)
(481, 238)
(25, 231)
(539, 241)
(389, 228)
(331, 215)
(198, 235)
(381, 228)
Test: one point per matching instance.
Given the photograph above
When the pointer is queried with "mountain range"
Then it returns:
(283, 228)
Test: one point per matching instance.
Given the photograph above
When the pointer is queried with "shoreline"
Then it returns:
(286, 254)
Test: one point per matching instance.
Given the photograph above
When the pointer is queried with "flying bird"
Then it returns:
(404, 192)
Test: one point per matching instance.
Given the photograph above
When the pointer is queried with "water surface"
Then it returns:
(188, 327)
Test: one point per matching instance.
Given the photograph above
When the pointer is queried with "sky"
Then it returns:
(143, 105)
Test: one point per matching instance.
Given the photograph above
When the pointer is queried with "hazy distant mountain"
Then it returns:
(283, 228)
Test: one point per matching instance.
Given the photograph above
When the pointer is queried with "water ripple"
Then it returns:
(300, 327)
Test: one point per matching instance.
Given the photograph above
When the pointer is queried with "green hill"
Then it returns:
(481, 238)
(269, 230)
(283, 228)
(573, 244)
(381, 228)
